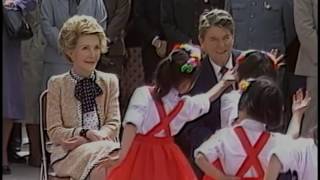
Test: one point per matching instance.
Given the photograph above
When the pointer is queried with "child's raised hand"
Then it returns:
(300, 103)
(277, 56)
(230, 75)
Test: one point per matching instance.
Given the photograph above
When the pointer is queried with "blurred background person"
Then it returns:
(180, 18)
(306, 23)
(33, 56)
(115, 59)
(12, 77)
(154, 45)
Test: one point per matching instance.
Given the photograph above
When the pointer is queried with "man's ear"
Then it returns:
(200, 41)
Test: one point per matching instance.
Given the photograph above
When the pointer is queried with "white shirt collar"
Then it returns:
(252, 124)
(217, 68)
(173, 95)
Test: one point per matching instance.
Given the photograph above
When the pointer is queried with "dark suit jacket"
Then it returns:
(118, 15)
(196, 132)
(180, 18)
(147, 18)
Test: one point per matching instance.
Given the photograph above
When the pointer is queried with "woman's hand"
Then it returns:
(9, 3)
(94, 135)
(72, 143)
(300, 103)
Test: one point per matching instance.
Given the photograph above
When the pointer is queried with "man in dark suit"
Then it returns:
(113, 62)
(216, 35)
(147, 18)
(180, 18)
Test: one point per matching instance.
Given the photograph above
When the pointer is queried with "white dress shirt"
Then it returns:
(217, 68)
(142, 111)
(229, 107)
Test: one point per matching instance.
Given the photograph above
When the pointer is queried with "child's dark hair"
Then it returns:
(180, 65)
(254, 63)
(262, 101)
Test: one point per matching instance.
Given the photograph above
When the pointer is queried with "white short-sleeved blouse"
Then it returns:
(300, 155)
(142, 111)
(226, 146)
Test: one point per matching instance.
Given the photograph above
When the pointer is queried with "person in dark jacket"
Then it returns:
(179, 18)
(216, 34)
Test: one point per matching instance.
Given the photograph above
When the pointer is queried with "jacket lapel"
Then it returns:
(100, 99)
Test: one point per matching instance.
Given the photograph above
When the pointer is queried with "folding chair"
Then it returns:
(45, 170)
(43, 136)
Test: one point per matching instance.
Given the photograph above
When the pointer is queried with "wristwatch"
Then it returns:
(83, 133)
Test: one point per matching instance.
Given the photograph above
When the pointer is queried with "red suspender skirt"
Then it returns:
(252, 155)
(155, 158)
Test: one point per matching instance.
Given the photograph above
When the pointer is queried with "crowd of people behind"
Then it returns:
(185, 84)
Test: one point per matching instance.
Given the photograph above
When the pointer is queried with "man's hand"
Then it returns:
(162, 49)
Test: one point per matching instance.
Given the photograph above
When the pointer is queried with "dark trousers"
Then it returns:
(115, 65)
(150, 60)
(15, 140)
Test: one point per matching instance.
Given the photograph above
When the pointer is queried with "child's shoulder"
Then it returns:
(222, 133)
(143, 90)
(141, 95)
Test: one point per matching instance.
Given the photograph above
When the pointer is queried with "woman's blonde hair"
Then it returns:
(77, 26)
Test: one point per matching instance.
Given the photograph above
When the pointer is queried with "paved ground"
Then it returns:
(22, 172)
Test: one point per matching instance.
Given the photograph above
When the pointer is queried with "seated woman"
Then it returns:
(83, 116)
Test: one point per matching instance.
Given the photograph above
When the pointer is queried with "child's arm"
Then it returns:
(209, 169)
(129, 134)
(115, 160)
(273, 168)
(299, 106)
(218, 89)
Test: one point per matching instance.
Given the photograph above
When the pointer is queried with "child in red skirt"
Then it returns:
(156, 113)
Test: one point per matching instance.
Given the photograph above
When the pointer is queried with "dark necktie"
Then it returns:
(223, 70)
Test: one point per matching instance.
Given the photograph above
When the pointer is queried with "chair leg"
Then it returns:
(41, 172)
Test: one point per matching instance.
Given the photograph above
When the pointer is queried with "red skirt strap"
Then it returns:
(252, 152)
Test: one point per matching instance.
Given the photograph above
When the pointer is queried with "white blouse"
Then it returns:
(300, 155)
(226, 146)
(229, 107)
(142, 111)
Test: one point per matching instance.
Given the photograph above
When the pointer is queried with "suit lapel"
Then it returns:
(100, 99)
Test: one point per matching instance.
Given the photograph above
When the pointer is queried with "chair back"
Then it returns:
(43, 135)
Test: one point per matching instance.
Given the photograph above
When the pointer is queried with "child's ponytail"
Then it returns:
(162, 80)
(183, 63)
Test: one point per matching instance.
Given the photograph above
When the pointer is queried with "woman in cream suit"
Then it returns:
(83, 115)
